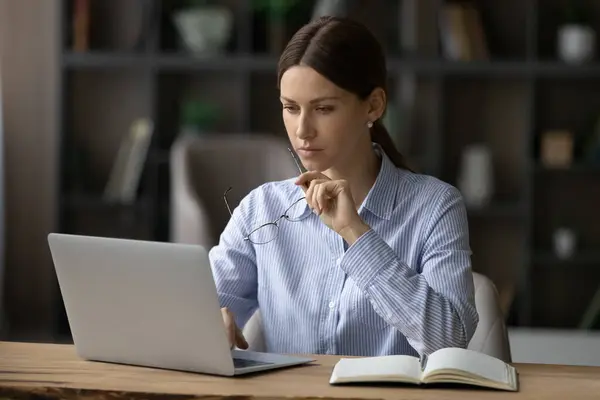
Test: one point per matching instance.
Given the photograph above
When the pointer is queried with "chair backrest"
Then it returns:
(490, 337)
(204, 166)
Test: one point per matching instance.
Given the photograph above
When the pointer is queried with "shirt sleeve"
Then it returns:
(433, 308)
(233, 263)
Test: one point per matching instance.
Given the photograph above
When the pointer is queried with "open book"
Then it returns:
(448, 365)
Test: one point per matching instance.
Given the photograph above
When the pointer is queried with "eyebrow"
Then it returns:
(317, 100)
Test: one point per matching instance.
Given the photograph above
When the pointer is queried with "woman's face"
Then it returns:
(326, 125)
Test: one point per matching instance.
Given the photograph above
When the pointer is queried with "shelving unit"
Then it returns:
(505, 102)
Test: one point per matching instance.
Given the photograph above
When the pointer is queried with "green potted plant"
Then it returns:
(276, 12)
(198, 116)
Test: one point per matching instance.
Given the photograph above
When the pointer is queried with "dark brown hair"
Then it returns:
(345, 52)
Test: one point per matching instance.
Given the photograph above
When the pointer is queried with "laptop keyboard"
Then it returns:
(243, 363)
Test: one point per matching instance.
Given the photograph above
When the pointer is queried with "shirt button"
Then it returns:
(331, 304)
(338, 261)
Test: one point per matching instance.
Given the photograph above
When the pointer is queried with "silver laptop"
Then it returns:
(150, 304)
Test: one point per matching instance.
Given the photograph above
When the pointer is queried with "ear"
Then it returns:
(376, 104)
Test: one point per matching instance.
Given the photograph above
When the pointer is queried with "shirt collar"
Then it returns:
(381, 199)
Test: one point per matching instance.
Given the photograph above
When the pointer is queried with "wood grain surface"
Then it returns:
(53, 371)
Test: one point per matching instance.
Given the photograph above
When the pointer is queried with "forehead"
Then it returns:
(302, 83)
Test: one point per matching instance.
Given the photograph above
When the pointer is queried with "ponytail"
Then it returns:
(380, 135)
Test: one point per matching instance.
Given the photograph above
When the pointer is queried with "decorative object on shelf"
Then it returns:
(81, 25)
(462, 35)
(204, 29)
(476, 176)
(337, 8)
(576, 37)
(198, 116)
(557, 149)
(276, 12)
(127, 169)
(565, 242)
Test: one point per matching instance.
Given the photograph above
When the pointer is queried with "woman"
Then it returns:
(374, 259)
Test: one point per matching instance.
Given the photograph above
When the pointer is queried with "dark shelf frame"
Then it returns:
(152, 61)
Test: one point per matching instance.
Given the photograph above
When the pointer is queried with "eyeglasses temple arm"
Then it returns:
(231, 214)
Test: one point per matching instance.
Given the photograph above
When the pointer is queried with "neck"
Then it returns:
(360, 172)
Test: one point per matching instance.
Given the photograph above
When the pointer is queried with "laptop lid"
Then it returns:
(143, 303)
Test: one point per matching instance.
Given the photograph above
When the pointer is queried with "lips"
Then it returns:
(308, 151)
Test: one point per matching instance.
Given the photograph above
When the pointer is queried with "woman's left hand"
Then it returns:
(333, 202)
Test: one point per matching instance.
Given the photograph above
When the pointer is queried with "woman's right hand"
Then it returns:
(234, 334)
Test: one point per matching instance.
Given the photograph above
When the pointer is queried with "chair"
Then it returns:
(490, 337)
(203, 166)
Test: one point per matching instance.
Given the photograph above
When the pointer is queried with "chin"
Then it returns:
(316, 165)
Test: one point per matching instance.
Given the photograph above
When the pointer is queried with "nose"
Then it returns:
(305, 129)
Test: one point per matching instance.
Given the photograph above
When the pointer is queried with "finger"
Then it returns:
(240, 340)
(230, 326)
(314, 193)
(308, 195)
(305, 179)
(322, 197)
(327, 191)
(314, 198)
(310, 192)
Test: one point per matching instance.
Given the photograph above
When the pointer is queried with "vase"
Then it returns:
(204, 30)
(576, 43)
(475, 179)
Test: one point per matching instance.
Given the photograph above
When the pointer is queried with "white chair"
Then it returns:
(490, 336)
(203, 166)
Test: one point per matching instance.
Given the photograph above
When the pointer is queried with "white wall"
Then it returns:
(546, 346)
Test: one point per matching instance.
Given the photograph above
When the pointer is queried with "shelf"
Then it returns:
(500, 209)
(97, 202)
(96, 60)
(185, 62)
(548, 258)
(573, 169)
(250, 62)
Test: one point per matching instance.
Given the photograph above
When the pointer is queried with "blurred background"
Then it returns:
(104, 101)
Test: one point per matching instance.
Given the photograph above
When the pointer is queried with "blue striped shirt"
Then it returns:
(404, 287)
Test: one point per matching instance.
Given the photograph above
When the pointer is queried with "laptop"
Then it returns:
(150, 304)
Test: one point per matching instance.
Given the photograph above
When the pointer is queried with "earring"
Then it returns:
(370, 124)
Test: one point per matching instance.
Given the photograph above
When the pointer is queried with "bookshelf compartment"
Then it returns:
(491, 113)
(555, 194)
(103, 104)
(107, 25)
(561, 296)
(572, 106)
(412, 118)
(479, 29)
(208, 103)
(553, 14)
(265, 108)
(488, 240)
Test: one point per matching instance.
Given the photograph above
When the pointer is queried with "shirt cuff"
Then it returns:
(366, 258)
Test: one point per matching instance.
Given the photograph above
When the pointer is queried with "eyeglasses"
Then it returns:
(267, 232)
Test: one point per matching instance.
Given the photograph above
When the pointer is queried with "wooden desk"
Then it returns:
(50, 371)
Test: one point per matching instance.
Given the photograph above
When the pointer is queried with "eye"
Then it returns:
(325, 109)
(291, 108)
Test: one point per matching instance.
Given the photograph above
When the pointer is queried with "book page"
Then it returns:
(469, 361)
(384, 368)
